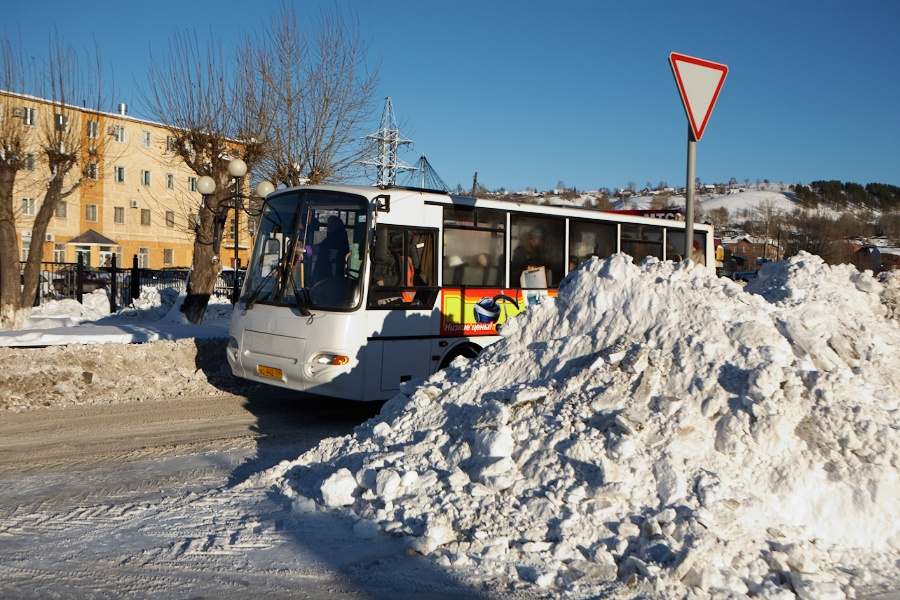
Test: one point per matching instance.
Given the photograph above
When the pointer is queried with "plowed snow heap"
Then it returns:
(655, 429)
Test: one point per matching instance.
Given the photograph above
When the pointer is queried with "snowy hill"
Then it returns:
(777, 195)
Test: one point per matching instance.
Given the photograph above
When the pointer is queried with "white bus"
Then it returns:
(353, 290)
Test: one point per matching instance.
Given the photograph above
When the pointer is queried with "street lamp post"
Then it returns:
(206, 185)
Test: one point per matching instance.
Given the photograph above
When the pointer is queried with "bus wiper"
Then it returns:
(251, 300)
(297, 295)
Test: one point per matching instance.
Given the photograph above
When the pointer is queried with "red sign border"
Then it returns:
(675, 56)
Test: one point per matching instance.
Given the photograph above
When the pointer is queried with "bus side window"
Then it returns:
(590, 238)
(473, 257)
(537, 242)
(404, 271)
(641, 241)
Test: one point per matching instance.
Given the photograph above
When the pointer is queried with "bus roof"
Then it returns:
(441, 197)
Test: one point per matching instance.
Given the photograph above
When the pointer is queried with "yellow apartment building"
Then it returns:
(137, 199)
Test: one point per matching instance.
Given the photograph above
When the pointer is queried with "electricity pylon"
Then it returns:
(424, 176)
(386, 142)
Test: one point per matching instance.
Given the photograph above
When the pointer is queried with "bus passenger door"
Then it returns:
(400, 360)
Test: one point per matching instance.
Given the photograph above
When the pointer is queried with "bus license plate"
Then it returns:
(268, 371)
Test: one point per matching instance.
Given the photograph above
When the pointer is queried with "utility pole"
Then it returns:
(475, 184)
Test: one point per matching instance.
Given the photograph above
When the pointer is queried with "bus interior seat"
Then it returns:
(472, 275)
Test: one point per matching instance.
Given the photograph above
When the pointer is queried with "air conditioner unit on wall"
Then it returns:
(111, 130)
(135, 204)
(50, 237)
(17, 112)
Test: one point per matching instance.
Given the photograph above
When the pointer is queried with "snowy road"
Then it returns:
(151, 499)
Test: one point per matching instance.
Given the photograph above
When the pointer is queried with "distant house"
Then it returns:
(877, 254)
(751, 248)
(887, 258)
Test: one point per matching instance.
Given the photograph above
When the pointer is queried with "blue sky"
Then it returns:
(530, 93)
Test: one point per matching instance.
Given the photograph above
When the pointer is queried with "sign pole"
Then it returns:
(699, 83)
(689, 195)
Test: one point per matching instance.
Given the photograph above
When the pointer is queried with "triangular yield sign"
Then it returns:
(699, 82)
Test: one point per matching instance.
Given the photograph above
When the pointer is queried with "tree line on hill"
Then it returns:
(841, 196)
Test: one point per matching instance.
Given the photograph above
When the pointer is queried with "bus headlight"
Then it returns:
(331, 359)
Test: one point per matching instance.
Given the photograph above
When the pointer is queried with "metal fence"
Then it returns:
(72, 280)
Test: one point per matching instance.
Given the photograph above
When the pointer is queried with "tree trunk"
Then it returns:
(206, 270)
(11, 315)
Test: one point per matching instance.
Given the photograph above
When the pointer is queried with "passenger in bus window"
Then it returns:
(332, 252)
(529, 254)
(384, 271)
(697, 254)
(573, 262)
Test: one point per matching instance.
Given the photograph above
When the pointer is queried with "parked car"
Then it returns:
(225, 281)
(66, 280)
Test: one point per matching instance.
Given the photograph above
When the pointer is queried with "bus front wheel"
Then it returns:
(468, 350)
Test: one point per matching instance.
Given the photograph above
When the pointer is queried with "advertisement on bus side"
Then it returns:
(468, 312)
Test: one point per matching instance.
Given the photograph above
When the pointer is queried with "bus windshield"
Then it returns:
(309, 251)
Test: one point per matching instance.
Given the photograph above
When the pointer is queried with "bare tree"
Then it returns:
(817, 233)
(719, 217)
(661, 201)
(767, 214)
(62, 155)
(205, 103)
(324, 92)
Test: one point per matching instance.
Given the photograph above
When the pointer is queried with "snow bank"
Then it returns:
(655, 426)
(88, 360)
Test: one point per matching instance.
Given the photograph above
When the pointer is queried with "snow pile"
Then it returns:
(90, 368)
(890, 296)
(154, 305)
(68, 311)
(656, 429)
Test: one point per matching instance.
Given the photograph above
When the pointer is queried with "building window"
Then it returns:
(120, 174)
(145, 139)
(93, 129)
(59, 253)
(168, 257)
(28, 207)
(119, 214)
(62, 210)
(145, 177)
(145, 216)
(62, 122)
(29, 162)
(26, 247)
(192, 184)
(90, 212)
(144, 256)
(170, 181)
(118, 132)
(93, 171)
(170, 143)
(170, 218)
(29, 116)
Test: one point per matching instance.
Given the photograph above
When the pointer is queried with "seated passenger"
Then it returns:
(332, 253)
(528, 255)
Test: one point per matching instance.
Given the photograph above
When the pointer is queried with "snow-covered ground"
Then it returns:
(654, 432)
(154, 316)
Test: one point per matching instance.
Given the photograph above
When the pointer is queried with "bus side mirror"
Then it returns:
(383, 203)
